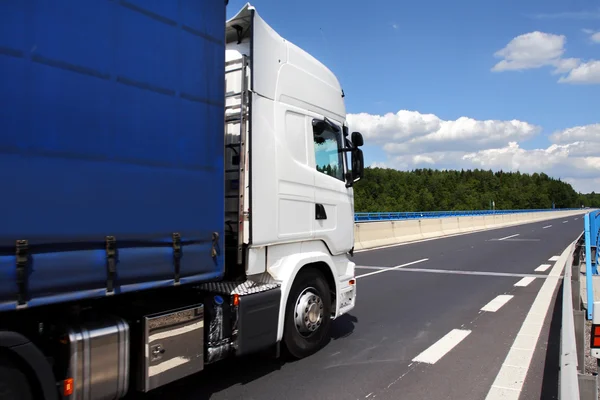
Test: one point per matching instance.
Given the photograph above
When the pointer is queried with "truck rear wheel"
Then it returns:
(14, 384)
(308, 314)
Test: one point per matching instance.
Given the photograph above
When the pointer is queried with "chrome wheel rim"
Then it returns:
(308, 312)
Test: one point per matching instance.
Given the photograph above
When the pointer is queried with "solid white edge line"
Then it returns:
(392, 268)
(511, 377)
(440, 348)
(497, 303)
(554, 258)
(525, 281)
(511, 236)
(542, 267)
(546, 227)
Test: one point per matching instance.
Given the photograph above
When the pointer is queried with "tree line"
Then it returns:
(389, 190)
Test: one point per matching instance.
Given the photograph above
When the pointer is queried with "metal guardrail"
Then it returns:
(395, 216)
(569, 375)
(574, 382)
(592, 232)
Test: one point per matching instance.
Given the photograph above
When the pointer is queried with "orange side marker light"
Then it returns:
(68, 387)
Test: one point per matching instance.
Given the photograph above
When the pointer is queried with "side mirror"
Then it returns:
(358, 163)
(357, 139)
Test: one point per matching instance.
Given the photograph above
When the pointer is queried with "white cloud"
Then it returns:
(594, 36)
(376, 164)
(414, 140)
(531, 50)
(539, 49)
(565, 65)
(585, 185)
(556, 160)
(409, 132)
(588, 133)
(586, 73)
(419, 158)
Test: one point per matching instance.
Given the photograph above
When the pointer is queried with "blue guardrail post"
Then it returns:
(594, 225)
(589, 284)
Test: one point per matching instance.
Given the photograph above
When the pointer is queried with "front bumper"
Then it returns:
(346, 297)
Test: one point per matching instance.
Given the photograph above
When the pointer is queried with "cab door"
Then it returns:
(334, 205)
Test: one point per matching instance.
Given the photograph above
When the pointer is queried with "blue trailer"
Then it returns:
(111, 148)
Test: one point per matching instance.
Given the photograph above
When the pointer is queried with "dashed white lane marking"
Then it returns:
(525, 281)
(511, 377)
(522, 240)
(554, 258)
(497, 303)
(564, 222)
(508, 237)
(542, 267)
(548, 226)
(440, 348)
(392, 268)
(450, 271)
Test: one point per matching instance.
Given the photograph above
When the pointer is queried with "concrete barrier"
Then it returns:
(450, 225)
(431, 227)
(408, 230)
(466, 224)
(374, 234)
(478, 222)
(368, 235)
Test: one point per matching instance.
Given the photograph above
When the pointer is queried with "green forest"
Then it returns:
(389, 190)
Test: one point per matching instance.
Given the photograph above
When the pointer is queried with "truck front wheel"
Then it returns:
(308, 314)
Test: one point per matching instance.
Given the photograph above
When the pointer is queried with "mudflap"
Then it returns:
(258, 315)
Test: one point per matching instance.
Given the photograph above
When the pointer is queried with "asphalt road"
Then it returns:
(419, 332)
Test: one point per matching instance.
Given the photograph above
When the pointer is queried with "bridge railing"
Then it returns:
(398, 216)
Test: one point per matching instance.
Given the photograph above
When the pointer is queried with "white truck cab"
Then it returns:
(289, 173)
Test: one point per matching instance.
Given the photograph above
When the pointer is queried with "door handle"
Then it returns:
(320, 211)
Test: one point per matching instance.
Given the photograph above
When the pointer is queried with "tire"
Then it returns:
(308, 288)
(14, 384)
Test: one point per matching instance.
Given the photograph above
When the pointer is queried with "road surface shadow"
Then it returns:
(237, 371)
(551, 365)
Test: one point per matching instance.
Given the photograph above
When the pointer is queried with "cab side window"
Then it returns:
(328, 154)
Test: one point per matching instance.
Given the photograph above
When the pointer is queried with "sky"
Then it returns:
(510, 85)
